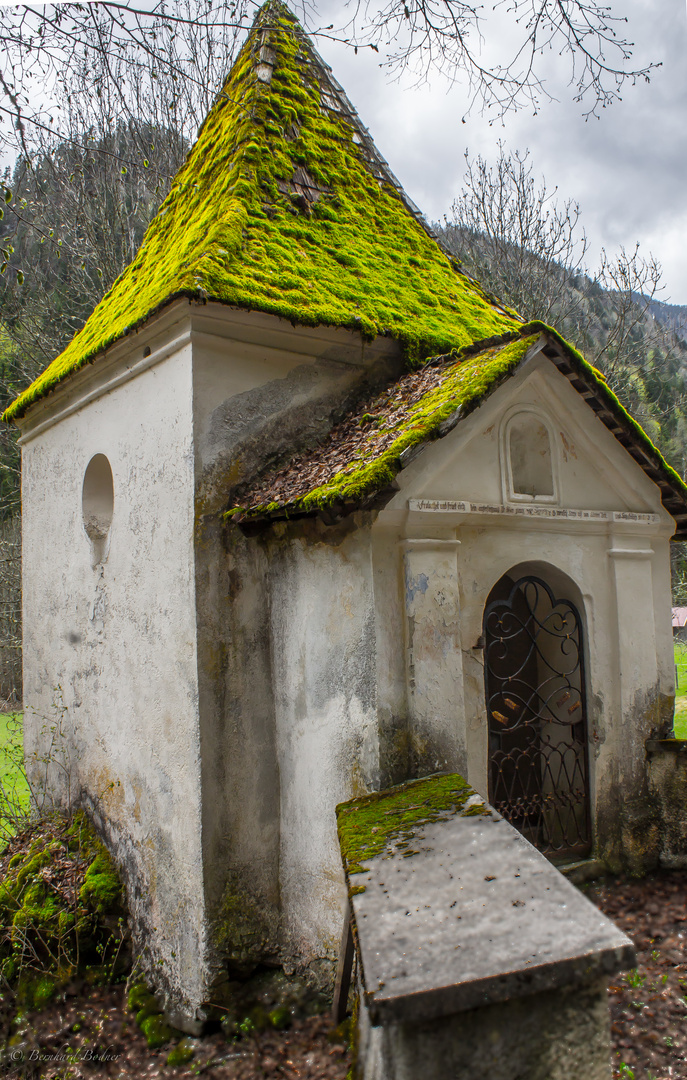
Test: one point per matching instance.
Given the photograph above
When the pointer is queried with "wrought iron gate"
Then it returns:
(535, 694)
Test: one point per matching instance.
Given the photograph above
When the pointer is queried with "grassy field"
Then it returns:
(14, 791)
(681, 690)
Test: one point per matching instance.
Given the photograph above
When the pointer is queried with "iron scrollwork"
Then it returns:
(535, 695)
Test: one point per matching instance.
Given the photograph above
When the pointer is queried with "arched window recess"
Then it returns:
(528, 457)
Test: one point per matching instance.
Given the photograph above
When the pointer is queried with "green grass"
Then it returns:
(680, 722)
(14, 789)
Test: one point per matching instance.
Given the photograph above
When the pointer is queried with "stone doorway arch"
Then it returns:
(536, 704)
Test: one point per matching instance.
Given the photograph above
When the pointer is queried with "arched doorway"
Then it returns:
(537, 715)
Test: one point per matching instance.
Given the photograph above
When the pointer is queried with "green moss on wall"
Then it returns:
(243, 929)
(340, 249)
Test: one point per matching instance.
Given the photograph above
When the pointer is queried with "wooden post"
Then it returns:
(343, 970)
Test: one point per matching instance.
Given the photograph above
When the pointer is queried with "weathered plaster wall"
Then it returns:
(110, 675)
(616, 571)
(220, 694)
(240, 770)
(324, 672)
(375, 664)
(260, 388)
(668, 786)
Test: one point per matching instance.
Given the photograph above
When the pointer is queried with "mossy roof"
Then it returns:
(361, 456)
(285, 206)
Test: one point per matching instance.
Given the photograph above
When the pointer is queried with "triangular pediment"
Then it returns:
(534, 449)
(359, 462)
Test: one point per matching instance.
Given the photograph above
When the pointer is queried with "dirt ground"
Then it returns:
(93, 1034)
(648, 1006)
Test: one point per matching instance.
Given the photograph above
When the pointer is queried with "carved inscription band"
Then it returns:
(443, 506)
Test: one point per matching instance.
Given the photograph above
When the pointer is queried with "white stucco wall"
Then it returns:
(324, 675)
(615, 569)
(110, 650)
(221, 694)
(375, 661)
(260, 388)
(153, 661)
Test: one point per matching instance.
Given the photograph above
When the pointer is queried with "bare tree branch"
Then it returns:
(508, 230)
(193, 45)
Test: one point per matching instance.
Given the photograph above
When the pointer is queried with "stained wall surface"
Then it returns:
(355, 657)
(454, 529)
(275, 621)
(111, 688)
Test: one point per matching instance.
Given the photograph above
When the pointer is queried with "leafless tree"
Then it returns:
(447, 35)
(98, 105)
(508, 230)
(78, 211)
(187, 43)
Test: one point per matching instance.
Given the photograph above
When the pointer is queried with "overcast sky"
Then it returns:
(628, 170)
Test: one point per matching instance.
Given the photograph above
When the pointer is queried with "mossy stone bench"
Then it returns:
(476, 957)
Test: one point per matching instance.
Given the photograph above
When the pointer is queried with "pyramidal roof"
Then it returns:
(285, 206)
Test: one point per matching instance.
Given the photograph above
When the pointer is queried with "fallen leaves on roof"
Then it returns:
(362, 454)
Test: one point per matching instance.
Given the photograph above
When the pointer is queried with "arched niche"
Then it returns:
(528, 460)
(97, 506)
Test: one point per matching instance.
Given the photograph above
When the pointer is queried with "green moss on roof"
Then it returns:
(411, 412)
(277, 209)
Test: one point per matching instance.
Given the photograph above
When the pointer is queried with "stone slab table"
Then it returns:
(476, 957)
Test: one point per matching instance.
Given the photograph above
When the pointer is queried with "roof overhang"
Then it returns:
(586, 380)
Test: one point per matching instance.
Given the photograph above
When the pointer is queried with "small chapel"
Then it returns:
(308, 513)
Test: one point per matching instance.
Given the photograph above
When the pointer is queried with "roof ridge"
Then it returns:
(384, 170)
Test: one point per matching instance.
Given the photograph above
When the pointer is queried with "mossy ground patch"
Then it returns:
(61, 909)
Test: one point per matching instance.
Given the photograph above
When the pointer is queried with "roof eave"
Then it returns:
(613, 416)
